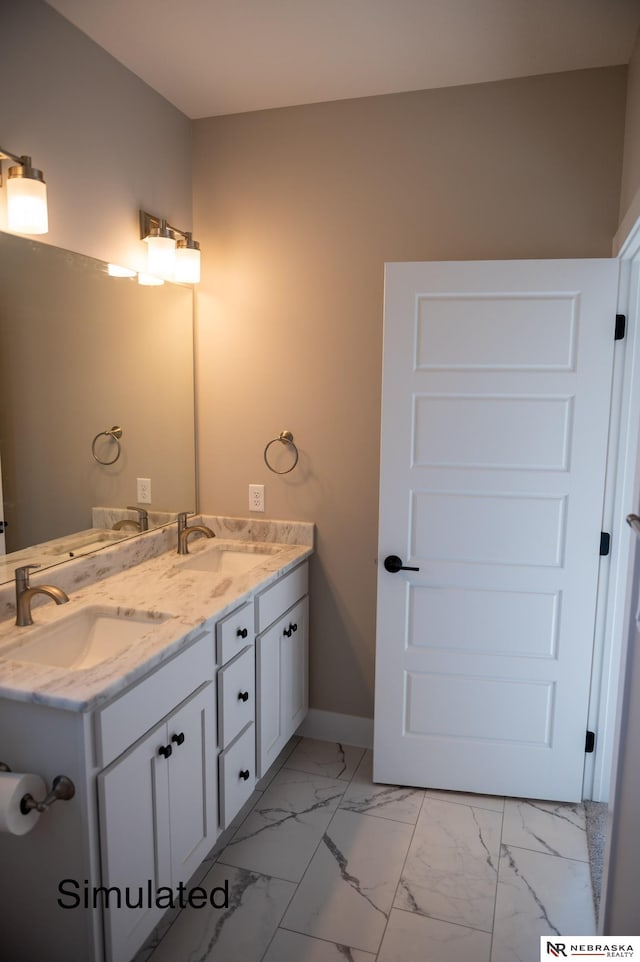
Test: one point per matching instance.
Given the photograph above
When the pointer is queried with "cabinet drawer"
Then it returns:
(237, 774)
(234, 632)
(281, 595)
(127, 718)
(236, 696)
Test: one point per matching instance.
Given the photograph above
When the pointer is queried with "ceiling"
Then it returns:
(211, 57)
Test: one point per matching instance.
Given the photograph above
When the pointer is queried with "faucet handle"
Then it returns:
(143, 516)
(22, 574)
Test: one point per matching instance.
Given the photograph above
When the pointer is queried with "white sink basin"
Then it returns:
(230, 558)
(86, 637)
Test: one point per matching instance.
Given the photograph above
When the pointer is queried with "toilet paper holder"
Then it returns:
(62, 789)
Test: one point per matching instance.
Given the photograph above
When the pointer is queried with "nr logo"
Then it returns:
(557, 949)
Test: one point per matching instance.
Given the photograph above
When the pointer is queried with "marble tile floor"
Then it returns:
(328, 867)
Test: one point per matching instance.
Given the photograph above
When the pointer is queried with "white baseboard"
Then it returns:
(331, 726)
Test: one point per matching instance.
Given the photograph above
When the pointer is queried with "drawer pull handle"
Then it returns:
(244, 774)
(243, 696)
(178, 739)
(165, 751)
(288, 631)
(242, 632)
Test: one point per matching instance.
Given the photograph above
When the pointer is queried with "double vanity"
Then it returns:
(164, 688)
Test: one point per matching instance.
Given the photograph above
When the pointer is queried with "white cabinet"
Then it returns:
(160, 770)
(236, 696)
(235, 646)
(237, 773)
(159, 818)
(235, 633)
(281, 664)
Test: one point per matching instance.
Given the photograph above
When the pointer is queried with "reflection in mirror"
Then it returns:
(80, 353)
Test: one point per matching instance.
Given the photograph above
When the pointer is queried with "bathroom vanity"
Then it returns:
(164, 739)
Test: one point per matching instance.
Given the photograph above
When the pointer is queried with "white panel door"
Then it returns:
(496, 397)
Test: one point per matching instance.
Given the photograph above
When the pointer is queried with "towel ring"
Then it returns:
(115, 433)
(285, 437)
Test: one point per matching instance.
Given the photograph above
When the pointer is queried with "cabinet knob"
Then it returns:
(178, 739)
(244, 774)
(242, 632)
(243, 696)
(165, 751)
(289, 631)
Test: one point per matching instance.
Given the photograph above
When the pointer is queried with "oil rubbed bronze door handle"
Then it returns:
(393, 564)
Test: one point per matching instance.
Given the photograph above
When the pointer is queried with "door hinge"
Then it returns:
(590, 742)
(605, 543)
(621, 324)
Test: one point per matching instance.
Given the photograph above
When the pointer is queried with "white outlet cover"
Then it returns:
(143, 490)
(256, 497)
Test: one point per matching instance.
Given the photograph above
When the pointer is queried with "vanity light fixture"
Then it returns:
(26, 195)
(187, 261)
(149, 280)
(117, 270)
(172, 253)
(161, 252)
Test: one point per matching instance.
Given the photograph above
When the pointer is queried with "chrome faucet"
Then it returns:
(185, 530)
(24, 594)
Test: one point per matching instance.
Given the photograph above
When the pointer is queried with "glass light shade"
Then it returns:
(149, 280)
(116, 270)
(26, 202)
(187, 265)
(161, 255)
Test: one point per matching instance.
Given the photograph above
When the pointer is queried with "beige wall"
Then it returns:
(631, 159)
(297, 210)
(108, 144)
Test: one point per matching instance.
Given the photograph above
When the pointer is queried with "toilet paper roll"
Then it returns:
(13, 787)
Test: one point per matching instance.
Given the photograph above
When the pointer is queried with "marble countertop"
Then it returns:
(145, 574)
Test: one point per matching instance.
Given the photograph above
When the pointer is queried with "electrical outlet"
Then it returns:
(256, 497)
(143, 490)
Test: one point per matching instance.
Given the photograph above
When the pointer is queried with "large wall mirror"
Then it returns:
(80, 353)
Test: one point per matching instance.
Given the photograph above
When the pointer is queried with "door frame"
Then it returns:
(622, 490)
(3, 545)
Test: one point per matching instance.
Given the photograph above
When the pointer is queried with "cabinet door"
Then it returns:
(134, 816)
(269, 737)
(158, 819)
(282, 683)
(294, 669)
(193, 786)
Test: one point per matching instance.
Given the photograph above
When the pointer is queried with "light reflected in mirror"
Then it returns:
(80, 353)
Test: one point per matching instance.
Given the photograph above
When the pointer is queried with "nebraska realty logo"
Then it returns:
(596, 947)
